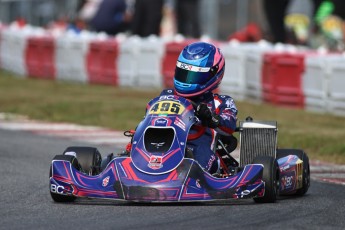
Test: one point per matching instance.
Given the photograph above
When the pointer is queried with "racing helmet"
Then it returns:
(200, 68)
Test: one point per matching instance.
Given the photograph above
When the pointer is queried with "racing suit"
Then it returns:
(225, 109)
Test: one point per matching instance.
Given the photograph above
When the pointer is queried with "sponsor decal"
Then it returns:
(230, 104)
(161, 122)
(167, 97)
(287, 182)
(285, 167)
(178, 122)
(192, 68)
(226, 115)
(57, 189)
(197, 183)
(157, 145)
(245, 192)
(156, 162)
(105, 181)
(210, 161)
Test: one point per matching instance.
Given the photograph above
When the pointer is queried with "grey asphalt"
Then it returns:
(25, 202)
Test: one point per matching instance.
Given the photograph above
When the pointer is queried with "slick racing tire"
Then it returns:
(57, 197)
(306, 168)
(271, 178)
(89, 159)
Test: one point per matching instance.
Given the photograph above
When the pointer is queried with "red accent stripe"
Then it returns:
(226, 130)
(130, 172)
(80, 180)
(166, 157)
(186, 195)
(200, 130)
(143, 154)
(190, 107)
(245, 176)
(217, 110)
(172, 176)
(232, 181)
(67, 171)
(222, 164)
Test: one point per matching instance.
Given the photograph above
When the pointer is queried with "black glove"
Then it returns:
(206, 116)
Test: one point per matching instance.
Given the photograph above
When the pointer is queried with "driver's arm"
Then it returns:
(226, 110)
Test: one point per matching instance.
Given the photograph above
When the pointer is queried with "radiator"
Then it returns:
(257, 138)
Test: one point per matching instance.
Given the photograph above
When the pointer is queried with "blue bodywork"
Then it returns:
(157, 169)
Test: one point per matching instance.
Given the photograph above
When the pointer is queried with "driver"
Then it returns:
(199, 71)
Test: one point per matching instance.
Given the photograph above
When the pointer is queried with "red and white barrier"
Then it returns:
(128, 62)
(101, 62)
(140, 62)
(40, 57)
(282, 78)
(71, 51)
(243, 61)
(172, 51)
(13, 46)
(337, 86)
(315, 83)
(281, 75)
(149, 66)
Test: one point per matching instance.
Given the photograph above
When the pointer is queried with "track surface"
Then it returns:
(26, 203)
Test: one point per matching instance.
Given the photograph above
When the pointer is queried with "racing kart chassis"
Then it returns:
(159, 171)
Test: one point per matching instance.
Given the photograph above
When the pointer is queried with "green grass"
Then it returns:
(321, 136)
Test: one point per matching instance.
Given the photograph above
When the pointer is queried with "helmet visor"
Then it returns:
(192, 74)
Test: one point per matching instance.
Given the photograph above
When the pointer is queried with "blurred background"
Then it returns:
(291, 21)
(218, 18)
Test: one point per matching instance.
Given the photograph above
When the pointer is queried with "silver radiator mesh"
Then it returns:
(257, 138)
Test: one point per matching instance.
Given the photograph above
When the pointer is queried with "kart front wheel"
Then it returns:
(89, 158)
(271, 178)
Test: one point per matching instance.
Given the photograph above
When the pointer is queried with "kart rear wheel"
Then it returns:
(271, 178)
(89, 159)
(306, 168)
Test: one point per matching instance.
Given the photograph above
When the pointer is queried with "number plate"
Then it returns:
(167, 108)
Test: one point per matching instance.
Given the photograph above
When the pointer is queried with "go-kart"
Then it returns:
(156, 166)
